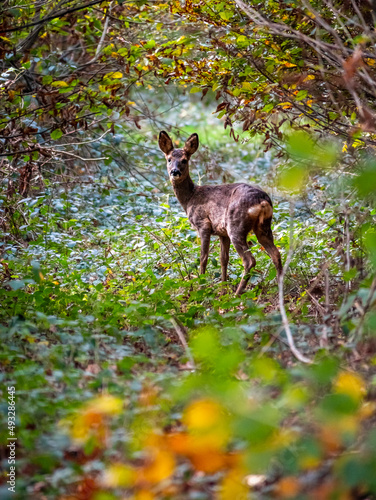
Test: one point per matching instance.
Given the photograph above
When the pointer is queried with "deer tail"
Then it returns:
(261, 211)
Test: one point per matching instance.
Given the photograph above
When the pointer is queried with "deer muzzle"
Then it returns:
(175, 173)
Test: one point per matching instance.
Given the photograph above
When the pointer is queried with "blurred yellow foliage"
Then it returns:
(207, 420)
(90, 422)
(160, 466)
(351, 384)
(234, 487)
(119, 475)
(106, 405)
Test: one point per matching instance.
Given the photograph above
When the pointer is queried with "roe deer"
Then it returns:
(229, 211)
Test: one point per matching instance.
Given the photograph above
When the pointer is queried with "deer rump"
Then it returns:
(230, 211)
(229, 208)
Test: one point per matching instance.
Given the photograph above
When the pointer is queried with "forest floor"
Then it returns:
(100, 287)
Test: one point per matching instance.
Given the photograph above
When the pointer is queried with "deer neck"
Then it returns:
(184, 191)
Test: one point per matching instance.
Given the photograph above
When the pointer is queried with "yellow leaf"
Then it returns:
(289, 65)
(161, 465)
(207, 423)
(247, 86)
(143, 495)
(91, 420)
(351, 384)
(202, 414)
(285, 105)
(309, 77)
(59, 84)
(115, 74)
(119, 476)
(233, 487)
(106, 405)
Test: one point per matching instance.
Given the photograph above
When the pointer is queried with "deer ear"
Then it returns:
(192, 144)
(165, 142)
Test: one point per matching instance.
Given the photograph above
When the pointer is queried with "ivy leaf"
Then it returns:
(56, 134)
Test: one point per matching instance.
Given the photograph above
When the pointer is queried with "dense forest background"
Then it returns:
(134, 376)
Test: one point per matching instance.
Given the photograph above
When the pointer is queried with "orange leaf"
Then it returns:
(288, 487)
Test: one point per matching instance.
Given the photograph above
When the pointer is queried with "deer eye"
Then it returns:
(169, 160)
(184, 162)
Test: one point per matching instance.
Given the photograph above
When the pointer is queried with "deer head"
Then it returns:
(177, 159)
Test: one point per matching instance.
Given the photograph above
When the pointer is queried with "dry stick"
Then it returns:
(282, 309)
(324, 269)
(68, 153)
(181, 334)
(347, 265)
(104, 33)
(324, 339)
(96, 139)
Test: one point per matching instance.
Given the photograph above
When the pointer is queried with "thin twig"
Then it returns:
(181, 334)
(83, 142)
(104, 33)
(282, 309)
(324, 339)
(76, 156)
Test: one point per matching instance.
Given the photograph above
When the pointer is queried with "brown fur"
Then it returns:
(229, 211)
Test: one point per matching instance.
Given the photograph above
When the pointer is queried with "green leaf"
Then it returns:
(349, 275)
(16, 284)
(226, 15)
(268, 108)
(47, 79)
(302, 94)
(150, 44)
(293, 179)
(56, 134)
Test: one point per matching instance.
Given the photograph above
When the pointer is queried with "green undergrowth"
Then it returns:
(97, 282)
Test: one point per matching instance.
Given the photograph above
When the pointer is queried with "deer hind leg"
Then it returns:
(265, 237)
(241, 246)
(225, 252)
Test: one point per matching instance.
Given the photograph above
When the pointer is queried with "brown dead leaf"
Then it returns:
(351, 65)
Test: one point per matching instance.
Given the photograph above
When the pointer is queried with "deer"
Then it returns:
(230, 211)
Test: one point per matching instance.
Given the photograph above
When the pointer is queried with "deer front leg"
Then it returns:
(225, 251)
(205, 243)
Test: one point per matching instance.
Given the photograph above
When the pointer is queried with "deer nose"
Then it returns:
(175, 172)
